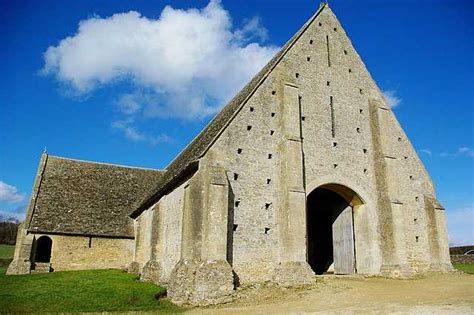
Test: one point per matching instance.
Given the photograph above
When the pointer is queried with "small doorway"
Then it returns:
(43, 250)
(330, 230)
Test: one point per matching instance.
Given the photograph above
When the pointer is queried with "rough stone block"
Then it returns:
(289, 274)
(201, 283)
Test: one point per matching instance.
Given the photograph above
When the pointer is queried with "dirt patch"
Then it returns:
(453, 293)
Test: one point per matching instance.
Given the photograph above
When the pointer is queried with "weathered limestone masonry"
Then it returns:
(311, 123)
(78, 216)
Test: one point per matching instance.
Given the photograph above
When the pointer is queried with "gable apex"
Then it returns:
(186, 161)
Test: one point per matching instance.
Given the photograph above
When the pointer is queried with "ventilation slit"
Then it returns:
(333, 131)
(239, 151)
(269, 181)
(249, 128)
(267, 206)
(270, 156)
(251, 108)
(234, 228)
(327, 46)
(272, 132)
(267, 230)
(236, 176)
(237, 203)
(90, 242)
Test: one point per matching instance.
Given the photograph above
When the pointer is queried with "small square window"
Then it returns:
(328, 83)
(273, 114)
(249, 128)
(269, 181)
(270, 156)
(272, 132)
(308, 58)
(311, 42)
(251, 108)
(239, 151)
(236, 176)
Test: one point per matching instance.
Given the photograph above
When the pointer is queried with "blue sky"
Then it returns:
(84, 92)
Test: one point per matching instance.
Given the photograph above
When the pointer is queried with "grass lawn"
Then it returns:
(79, 291)
(467, 268)
(6, 251)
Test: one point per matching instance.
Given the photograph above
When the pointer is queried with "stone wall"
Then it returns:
(462, 259)
(338, 102)
(79, 253)
(73, 252)
(158, 235)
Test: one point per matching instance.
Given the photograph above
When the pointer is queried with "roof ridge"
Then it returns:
(104, 163)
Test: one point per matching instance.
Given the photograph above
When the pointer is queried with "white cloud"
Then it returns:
(132, 133)
(466, 152)
(426, 151)
(462, 151)
(15, 214)
(461, 226)
(10, 194)
(185, 64)
(391, 97)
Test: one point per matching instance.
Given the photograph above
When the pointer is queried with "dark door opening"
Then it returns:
(43, 249)
(330, 232)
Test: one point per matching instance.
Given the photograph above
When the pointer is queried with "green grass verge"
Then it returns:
(6, 251)
(467, 268)
(80, 291)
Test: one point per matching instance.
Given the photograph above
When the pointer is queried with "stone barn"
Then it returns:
(78, 216)
(305, 171)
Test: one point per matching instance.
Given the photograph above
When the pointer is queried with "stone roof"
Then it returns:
(86, 198)
(199, 146)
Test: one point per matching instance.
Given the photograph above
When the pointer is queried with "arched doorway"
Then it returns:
(330, 228)
(43, 249)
